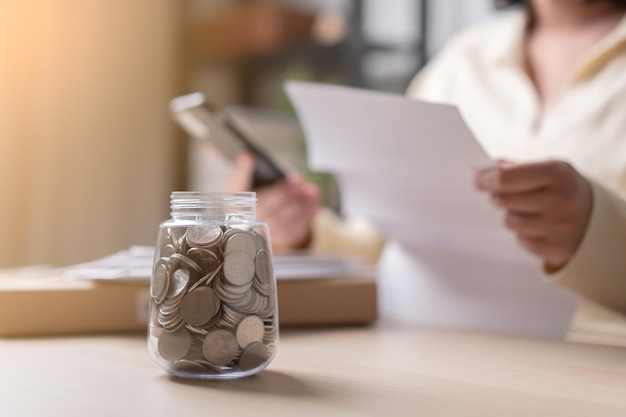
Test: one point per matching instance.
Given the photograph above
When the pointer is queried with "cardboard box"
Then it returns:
(58, 306)
(327, 301)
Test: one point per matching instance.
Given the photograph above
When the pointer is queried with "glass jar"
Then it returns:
(213, 312)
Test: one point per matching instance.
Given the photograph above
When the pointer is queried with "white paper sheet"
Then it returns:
(135, 264)
(407, 165)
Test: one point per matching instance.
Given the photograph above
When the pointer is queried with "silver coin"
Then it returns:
(173, 346)
(246, 303)
(211, 323)
(255, 355)
(260, 304)
(199, 306)
(263, 288)
(268, 310)
(181, 245)
(241, 242)
(261, 244)
(189, 366)
(207, 279)
(160, 280)
(167, 250)
(167, 309)
(249, 330)
(178, 282)
(182, 260)
(196, 330)
(169, 321)
(172, 304)
(231, 292)
(177, 238)
(203, 235)
(239, 268)
(220, 347)
(231, 231)
(270, 336)
(229, 318)
(263, 266)
(233, 314)
(205, 258)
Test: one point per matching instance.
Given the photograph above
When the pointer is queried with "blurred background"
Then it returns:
(88, 151)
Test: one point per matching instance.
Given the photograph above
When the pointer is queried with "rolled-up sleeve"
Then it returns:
(598, 269)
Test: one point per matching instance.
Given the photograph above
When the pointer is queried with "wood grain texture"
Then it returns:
(386, 370)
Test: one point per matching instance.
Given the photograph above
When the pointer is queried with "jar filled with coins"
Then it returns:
(213, 312)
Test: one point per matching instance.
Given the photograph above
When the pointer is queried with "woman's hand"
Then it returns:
(547, 205)
(288, 207)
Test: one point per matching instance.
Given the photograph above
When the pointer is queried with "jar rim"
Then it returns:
(213, 194)
(192, 203)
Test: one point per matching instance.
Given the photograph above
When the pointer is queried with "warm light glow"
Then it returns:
(84, 91)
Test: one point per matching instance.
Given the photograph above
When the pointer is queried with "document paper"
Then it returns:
(135, 264)
(407, 166)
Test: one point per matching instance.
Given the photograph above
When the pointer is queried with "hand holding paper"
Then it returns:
(547, 205)
(407, 165)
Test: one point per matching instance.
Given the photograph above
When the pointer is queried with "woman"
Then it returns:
(544, 90)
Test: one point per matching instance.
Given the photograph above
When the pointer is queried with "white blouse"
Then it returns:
(481, 71)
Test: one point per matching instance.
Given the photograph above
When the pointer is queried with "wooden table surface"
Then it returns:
(385, 370)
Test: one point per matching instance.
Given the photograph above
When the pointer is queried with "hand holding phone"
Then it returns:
(207, 123)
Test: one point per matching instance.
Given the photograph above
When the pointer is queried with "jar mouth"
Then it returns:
(190, 202)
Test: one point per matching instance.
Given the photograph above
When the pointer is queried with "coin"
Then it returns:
(176, 237)
(255, 355)
(242, 242)
(229, 318)
(189, 366)
(169, 320)
(174, 345)
(220, 347)
(230, 231)
(262, 288)
(263, 266)
(160, 280)
(229, 292)
(207, 259)
(239, 268)
(203, 235)
(249, 330)
(178, 282)
(182, 260)
(260, 241)
(196, 331)
(207, 279)
(199, 306)
(168, 250)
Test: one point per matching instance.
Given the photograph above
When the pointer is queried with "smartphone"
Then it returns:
(205, 122)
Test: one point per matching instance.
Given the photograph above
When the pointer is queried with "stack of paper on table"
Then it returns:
(112, 294)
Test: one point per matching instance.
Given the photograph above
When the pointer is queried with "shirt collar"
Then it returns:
(507, 48)
(603, 52)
